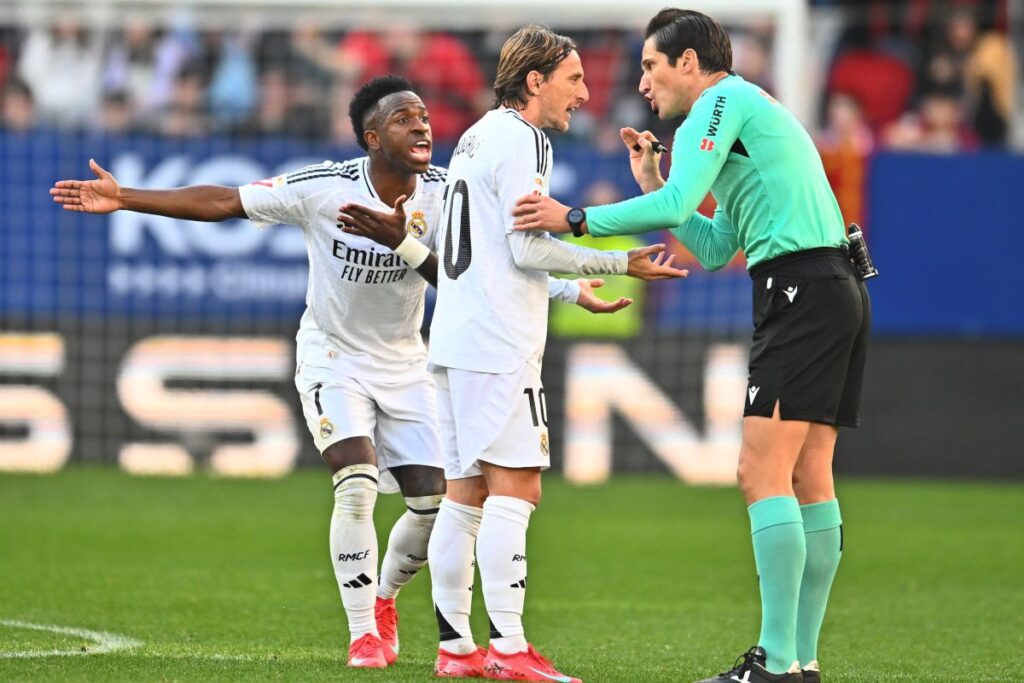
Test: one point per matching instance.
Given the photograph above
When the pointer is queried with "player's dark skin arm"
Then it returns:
(104, 195)
(387, 229)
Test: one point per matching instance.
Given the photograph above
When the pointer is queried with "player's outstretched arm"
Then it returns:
(642, 267)
(388, 229)
(105, 195)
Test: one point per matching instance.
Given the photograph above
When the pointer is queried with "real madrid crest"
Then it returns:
(544, 444)
(326, 428)
(417, 225)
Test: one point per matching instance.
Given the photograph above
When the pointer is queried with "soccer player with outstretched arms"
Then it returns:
(812, 314)
(486, 345)
(367, 397)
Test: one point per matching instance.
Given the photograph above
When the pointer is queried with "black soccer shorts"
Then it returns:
(812, 318)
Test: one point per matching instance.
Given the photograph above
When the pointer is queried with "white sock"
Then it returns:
(501, 552)
(354, 546)
(451, 573)
(407, 545)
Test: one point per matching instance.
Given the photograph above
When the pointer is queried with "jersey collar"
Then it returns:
(365, 173)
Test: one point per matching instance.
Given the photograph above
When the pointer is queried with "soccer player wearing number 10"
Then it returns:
(361, 364)
(486, 344)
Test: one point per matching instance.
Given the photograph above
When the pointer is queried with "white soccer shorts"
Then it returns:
(496, 418)
(400, 419)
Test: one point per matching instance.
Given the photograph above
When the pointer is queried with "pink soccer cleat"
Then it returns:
(367, 653)
(523, 666)
(387, 627)
(451, 665)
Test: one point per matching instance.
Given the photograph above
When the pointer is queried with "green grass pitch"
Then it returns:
(640, 580)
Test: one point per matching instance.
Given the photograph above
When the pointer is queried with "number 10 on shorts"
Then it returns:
(537, 401)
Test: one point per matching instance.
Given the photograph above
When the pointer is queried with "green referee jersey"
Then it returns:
(763, 170)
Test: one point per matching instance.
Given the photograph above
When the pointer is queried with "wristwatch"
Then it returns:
(576, 216)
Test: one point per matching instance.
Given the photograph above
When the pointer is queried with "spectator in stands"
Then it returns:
(937, 127)
(445, 72)
(18, 108)
(750, 56)
(175, 49)
(990, 79)
(6, 53)
(271, 114)
(844, 144)
(978, 63)
(61, 66)
(880, 82)
(311, 69)
(130, 66)
(116, 114)
(185, 114)
(234, 83)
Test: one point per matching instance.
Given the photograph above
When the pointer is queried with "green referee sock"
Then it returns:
(824, 529)
(780, 552)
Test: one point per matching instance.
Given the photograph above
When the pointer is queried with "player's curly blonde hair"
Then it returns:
(531, 48)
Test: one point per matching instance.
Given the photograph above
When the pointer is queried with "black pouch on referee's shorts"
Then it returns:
(807, 311)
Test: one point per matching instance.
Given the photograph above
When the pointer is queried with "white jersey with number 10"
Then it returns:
(491, 315)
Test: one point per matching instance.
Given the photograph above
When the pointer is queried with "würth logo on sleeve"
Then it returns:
(716, 117)
(707, 145)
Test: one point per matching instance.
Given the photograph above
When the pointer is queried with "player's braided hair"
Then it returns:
(676, 30)
(366, 98)
(531, 48)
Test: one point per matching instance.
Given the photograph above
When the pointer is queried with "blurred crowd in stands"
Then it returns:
(925, 75)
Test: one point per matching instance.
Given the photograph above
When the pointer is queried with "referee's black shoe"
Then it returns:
(750, 669)
(812, 675)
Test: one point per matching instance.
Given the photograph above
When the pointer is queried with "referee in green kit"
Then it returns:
(812, 314)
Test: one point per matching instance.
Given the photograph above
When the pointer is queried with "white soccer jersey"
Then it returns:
(364, 305)
(491, 315)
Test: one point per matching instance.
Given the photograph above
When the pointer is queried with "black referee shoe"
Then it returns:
(811, 676)
(751, 670)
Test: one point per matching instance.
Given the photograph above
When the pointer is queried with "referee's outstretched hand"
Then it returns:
(643, 268)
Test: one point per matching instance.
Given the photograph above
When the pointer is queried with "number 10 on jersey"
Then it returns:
(456, 210)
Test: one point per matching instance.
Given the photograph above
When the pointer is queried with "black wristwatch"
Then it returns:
(576, 216)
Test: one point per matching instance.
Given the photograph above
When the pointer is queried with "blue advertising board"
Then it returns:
(57, 263)
(941, 229)
(946, 236)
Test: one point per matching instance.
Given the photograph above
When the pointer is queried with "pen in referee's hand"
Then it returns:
(655, 145)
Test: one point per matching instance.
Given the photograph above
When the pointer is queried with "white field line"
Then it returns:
(104, 642)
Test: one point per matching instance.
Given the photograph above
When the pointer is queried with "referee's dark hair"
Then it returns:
(677, 30)
(364, 102)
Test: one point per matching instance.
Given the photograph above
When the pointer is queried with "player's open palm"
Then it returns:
(90, 196)
(659, 268)
(592, 302)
